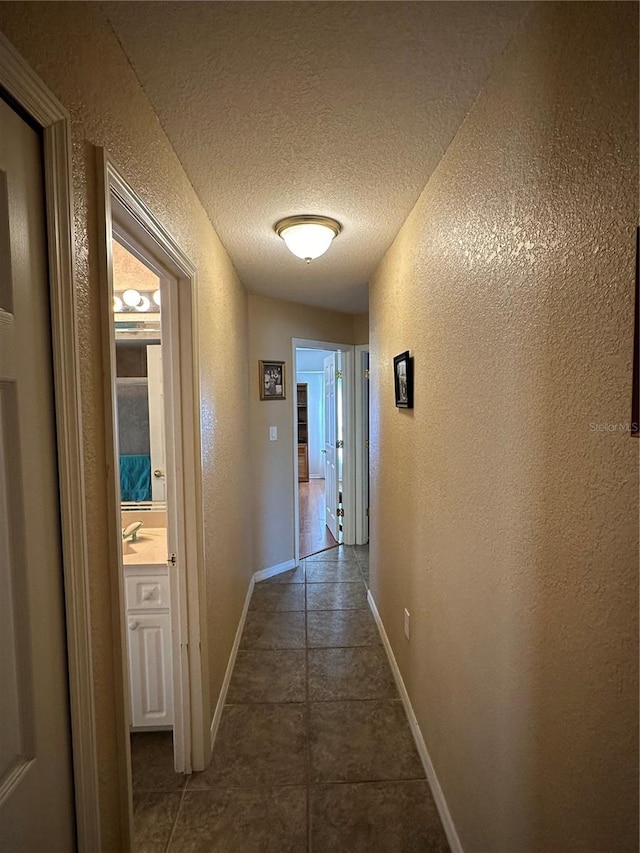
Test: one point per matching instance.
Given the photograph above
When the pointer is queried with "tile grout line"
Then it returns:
(175, 822)
(173, 836)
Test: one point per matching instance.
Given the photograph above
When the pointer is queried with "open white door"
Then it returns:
(156, 423)
(36, 782)
(331, 480)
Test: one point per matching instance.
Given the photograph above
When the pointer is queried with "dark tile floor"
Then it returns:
(314, 752)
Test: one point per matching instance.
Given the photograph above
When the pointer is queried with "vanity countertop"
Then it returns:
(150, 549)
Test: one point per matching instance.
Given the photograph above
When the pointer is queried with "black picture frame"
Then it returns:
(635, 372)
(403, 380)
(272, 380)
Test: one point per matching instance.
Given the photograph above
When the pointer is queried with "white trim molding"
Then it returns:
(121, 211)
(349, 465)
(258, 576)
(432, 779)
(278, 569)
(361, 446)
(30, 93)
(222, 698)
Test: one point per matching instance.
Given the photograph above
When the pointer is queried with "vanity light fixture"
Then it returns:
(156, 297)
(132, 301)
(307, 237)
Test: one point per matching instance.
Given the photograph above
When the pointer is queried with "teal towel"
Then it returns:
(135, 478)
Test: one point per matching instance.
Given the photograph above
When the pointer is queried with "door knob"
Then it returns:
(323, 451)
(133, 626)
(158, 473)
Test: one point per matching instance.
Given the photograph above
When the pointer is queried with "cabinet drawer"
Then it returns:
(147, 592)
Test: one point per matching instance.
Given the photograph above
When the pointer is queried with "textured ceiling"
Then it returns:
(336, 108)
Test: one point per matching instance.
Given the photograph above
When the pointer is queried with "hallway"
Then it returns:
(314, 752)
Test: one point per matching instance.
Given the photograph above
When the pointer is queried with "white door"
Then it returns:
(331, 481)
(156, 423)
(36, 782)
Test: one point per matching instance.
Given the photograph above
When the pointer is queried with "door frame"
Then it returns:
(30, 94)
(348, 429)
(122, 211)
(362, 451)
(121, 226)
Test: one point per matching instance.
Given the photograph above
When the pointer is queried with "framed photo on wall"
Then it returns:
(272, 380)
(403, 380)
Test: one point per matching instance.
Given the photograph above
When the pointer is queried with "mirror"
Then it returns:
(139, 395)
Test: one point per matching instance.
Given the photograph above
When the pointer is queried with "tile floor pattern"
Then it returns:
(314, 752)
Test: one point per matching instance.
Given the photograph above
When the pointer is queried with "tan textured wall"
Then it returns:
(361, 329)
(273, 323)
(72, 47)
(501, 518)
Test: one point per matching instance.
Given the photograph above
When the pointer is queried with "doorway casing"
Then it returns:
(349, 438)
(362, 366)
(30, 94)
(128, 218)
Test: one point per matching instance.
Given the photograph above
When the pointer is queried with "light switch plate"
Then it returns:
(273, 433)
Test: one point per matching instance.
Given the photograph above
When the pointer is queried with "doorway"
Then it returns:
(155, 506)
(148, 516)
(324, 486)
(30, 99)
(36, 755)
(318, 491)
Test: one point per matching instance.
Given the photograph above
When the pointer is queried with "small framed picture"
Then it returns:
(272, 380)
(403, 380)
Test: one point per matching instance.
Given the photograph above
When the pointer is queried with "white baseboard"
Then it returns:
(278, 569)
(436, 790)
(263, 574)
(232, 660)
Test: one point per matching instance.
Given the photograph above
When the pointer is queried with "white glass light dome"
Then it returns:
(308, 237)
(131, 297)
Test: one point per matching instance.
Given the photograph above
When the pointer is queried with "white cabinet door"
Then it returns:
(150, 669)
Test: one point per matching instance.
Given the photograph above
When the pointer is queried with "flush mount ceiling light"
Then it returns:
(308, 237)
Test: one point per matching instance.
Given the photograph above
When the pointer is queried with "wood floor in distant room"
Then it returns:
(314, 533)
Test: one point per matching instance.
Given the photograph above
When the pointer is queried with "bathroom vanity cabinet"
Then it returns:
(148, 618)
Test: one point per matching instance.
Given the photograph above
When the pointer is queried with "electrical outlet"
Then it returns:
(407, 621)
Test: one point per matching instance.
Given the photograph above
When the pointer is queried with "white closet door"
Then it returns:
(36, 781)
(331, 483)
